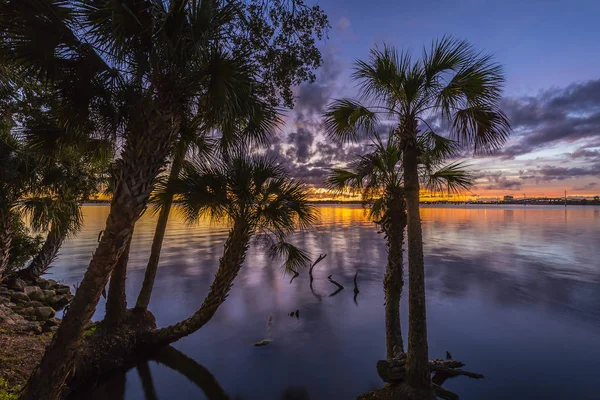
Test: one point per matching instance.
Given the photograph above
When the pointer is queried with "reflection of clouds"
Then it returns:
(483, 264)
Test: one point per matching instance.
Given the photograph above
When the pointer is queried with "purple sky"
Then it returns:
(551, 54)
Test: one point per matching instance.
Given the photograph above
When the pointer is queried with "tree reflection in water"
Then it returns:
(114, 386)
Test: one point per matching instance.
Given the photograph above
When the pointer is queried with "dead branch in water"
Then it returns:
(340, 287)
(310, 270)
(296, 274)
(334, 282)
(356, 291)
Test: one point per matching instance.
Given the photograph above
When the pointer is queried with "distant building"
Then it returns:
(596, 198)
(509, 198)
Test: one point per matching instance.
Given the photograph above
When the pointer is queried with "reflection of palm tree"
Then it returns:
(378, 177)
(188, 367)
(295, 393)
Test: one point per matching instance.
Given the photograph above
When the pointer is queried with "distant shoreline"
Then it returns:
(528, 202)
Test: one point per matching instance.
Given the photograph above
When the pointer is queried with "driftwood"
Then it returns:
(296, 274)
(334, 282)
(339, 289)
(356, 291)
(310, 270)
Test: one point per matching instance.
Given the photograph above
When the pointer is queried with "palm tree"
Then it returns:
(16, 177)
(129, 70)
(69, 172)
(379, 178)
(257, 198)
(255, 127)
(451, 81)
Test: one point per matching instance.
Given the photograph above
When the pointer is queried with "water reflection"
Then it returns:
(510, 291)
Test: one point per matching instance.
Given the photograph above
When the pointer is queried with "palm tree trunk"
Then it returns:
(159, 234)
(116, 303)
(230, 263)
(142, 158)
(5, 241)
(393, 225)
(42, 260)
(417, 362)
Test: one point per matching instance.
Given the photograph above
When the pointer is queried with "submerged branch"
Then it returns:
(310, 270)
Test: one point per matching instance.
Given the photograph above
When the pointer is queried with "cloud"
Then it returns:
(498, 181)
(586, 187)
(301, 141)
(343, 24)
(554, 117)
(555, 173)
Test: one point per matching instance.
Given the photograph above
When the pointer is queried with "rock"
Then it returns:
(19, 297)
(48, 294)
(4, 300)
(53, 322)
(26, 311)
(43, 284)
(46, 329)
(59, 289)
(34, 303)
(34, 293)
(35, 327)
(5, 291)
(45, 312)
(59, 302)
(17, 284)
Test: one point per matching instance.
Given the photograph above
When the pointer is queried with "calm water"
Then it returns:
(514, 292)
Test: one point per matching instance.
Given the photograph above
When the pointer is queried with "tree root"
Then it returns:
(392, 371)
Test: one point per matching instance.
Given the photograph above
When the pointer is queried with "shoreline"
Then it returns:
(27, 325)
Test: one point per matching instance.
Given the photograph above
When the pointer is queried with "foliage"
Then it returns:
(452, 82)
(378, 174)
(24, 244)
(7, 392)
(252, 189)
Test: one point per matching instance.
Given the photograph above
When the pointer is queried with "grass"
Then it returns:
(7, 392)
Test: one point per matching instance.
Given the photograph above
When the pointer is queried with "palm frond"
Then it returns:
(484, 127)
(295, 258)
(451, 178)
(346, 120)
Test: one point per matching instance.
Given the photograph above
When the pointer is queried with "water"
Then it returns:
(514, 292)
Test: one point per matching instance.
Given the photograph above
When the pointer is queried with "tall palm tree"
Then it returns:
(130, 69)
(378, 177)
(451, 81)
(257, 198)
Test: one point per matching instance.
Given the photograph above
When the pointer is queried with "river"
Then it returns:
(512, 291)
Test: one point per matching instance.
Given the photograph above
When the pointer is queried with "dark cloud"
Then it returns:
(554, 116)
(301, 141)
(555, 173)
(588, 186)
(497, 181)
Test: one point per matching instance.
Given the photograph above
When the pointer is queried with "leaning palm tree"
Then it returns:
(60, 219)
(129, 70)
(378, 177)
(257, 199)
(253, 125)
(17, 175)
(451, 81)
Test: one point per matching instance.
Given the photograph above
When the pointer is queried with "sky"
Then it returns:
(550, 51)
